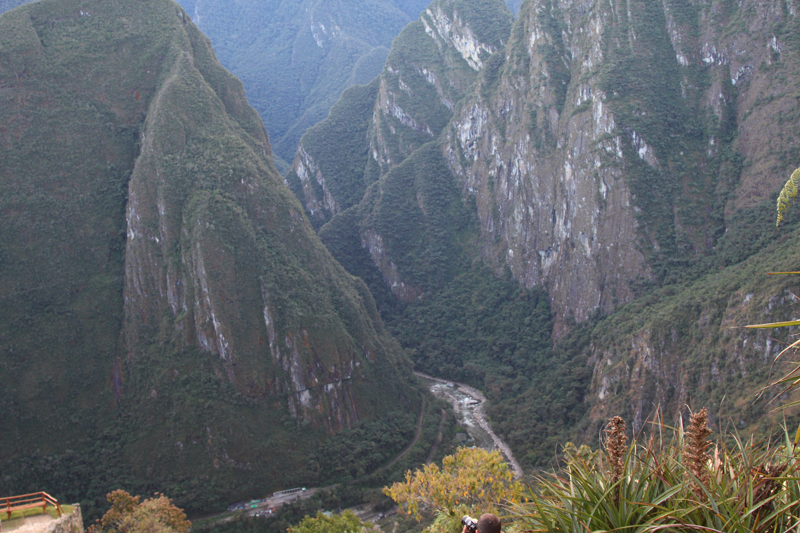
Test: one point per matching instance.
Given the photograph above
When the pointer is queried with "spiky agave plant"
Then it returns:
(626, 489)
(669, 485)
(695, 455)
(752, 487)
(790, 380)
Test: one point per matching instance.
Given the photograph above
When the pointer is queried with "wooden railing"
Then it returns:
(28, 501)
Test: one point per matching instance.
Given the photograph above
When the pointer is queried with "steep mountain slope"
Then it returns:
(170, 320)
(626, 146)
(412, 236)
(610, 154)
(432, 65)
(613, 142)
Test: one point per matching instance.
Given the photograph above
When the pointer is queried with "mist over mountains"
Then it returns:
(295, 58)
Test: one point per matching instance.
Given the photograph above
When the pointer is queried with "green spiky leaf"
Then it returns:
(788, 192)
(774, 325)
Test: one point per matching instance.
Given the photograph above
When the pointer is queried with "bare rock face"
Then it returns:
(548, 179)
(431, 66)
(600, 143)
(311, 177)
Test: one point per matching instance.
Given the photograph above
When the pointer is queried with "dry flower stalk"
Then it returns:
(696, 450)
(616, 444)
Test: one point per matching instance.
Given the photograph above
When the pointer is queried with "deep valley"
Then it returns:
(218, 289)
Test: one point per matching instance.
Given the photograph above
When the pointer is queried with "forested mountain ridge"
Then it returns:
(169, 320)
(621, 157)
(375, 150)
(295, 57)
(423, 77)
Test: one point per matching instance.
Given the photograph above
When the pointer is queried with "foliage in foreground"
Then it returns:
(127, 515)
(473, 481)
(680, 484)
(345, 522)
(791, 380)
(676, 484)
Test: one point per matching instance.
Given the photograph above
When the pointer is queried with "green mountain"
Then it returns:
(433, 63)
(169, 320)
(621, 159)
(296, 57)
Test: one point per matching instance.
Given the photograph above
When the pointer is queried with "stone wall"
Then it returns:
(68, 523)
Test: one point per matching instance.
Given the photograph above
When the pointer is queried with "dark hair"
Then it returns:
(488, 523)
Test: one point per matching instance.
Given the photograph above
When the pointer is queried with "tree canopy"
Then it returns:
(472, 480)
(346, 522)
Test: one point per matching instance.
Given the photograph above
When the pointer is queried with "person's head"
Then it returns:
(488, 523)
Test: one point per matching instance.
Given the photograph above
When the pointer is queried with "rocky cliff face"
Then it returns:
(179, 286)
(542, 156)
(618, 143)
(603, 143)
(430, 68)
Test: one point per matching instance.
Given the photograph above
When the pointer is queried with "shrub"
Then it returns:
(473, 481)
(127, 515)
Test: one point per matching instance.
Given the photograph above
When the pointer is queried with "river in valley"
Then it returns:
(468, 404)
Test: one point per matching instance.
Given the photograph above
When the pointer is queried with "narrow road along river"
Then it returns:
(468, 403)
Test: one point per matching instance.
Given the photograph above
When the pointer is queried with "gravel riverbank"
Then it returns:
(468, 403)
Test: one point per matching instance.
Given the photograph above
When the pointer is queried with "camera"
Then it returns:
(470, 523)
